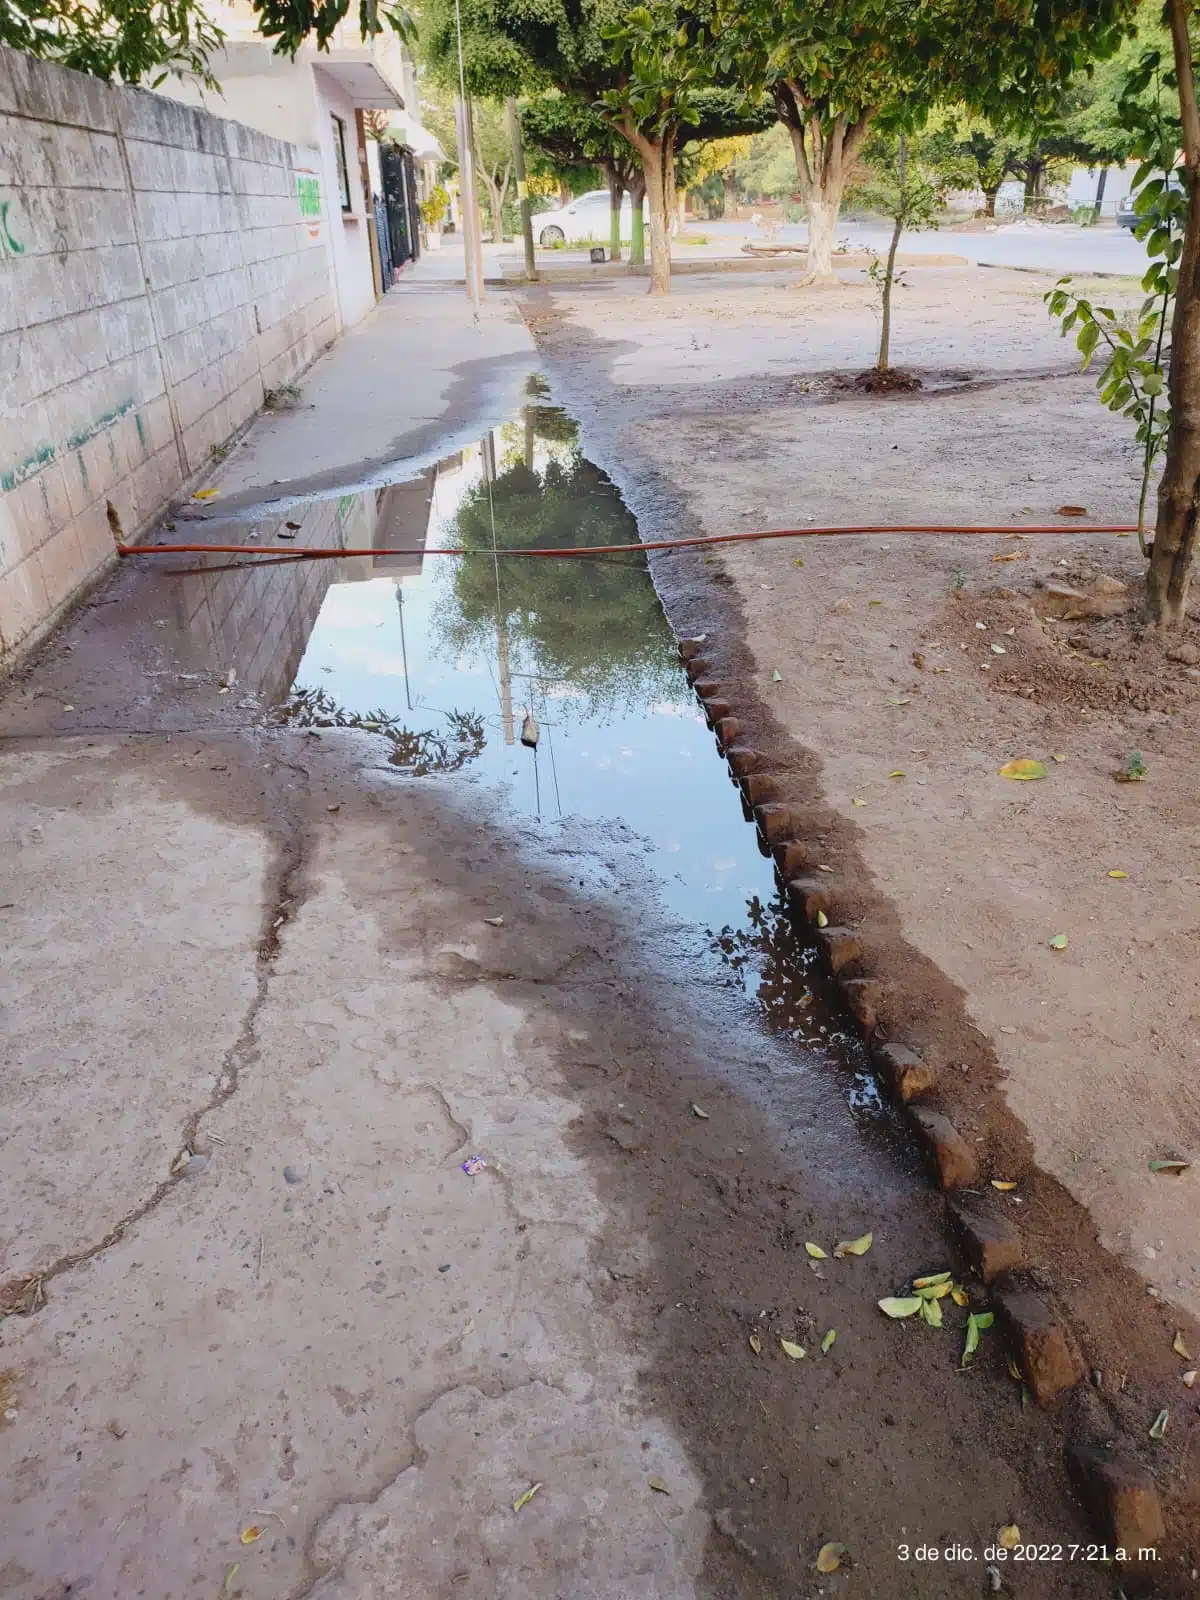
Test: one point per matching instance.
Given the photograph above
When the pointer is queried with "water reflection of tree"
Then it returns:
(595, 622)
(417, 752)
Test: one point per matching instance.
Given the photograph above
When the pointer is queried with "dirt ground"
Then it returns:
(889, 679)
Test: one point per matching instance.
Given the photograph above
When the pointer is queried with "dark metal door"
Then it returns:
(383, 233)
(399, 197)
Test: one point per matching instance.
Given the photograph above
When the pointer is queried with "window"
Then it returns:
(343, 172)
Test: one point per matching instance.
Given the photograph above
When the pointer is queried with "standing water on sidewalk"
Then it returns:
(559, 679)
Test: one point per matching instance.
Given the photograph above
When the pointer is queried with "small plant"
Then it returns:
(957, 578)
(285, 394)
(219, 452)
(1135, 769)
(434, 207)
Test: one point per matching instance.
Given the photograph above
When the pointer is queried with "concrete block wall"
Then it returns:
(156, 278)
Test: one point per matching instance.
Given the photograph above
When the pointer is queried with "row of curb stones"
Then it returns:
(1119, 1492)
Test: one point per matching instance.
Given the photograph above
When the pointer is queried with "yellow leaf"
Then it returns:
(658, 1485)
(815, 1251)
(1014, 556)
(897, 774)
(827, 1341)
(250, 1534)
(854, 1247)
(797, 1352)
(1115, 872)
(524, 1499)
(934, 1277)
(1180, 1348)
(797, 561)
(1058, 941)
(1003, 1184)
(1024, 770)
(960, 1296)
(829, 1557)
(756, 1344)
(857, 802)
(1009, 1537)
(897, 1306)
(230, 1576)
(205, 494)
(1014, 1370)
(1058, 758)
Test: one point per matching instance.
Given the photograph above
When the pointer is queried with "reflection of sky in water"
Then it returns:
(649, 760)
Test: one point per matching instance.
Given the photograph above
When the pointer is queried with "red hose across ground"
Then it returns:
(332, 553)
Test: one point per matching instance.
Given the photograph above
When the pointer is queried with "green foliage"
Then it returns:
(1132, 379)
(434, 207)
(594, 622)
(126, 41)
(293, 23)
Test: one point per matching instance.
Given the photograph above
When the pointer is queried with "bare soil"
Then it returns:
(888, 679)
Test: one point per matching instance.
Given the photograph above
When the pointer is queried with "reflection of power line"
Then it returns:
(403, 646)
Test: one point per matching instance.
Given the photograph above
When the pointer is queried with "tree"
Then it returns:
(493, 159)
(575, 136)
(718, 160)
(836, 68)
(909, 180)
(126, 41)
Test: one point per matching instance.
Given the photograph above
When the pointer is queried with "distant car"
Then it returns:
(587, 217)
(1127, 217)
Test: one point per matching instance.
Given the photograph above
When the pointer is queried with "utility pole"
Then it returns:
(472, 237)
(518, 149)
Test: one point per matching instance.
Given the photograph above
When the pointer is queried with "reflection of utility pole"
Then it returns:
(527, 413)
(403, 645)
(487, 449)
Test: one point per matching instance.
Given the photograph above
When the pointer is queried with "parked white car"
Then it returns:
(587, 217)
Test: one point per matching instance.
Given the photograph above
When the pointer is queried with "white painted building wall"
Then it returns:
(160, 269)
(348, 230)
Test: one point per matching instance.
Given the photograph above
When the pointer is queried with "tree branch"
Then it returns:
(1190, 115)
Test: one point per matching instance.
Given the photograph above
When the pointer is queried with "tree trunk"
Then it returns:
(823, 160)
(1100, 183)
(660, 238)
(637, 199)
(889, 275)
(1169, 577)
(564, 192)
(822, 220)
(616, 193)
(989, 199)
(672, 200)
(729, 195)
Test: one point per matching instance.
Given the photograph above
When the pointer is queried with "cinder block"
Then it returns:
(23, 603)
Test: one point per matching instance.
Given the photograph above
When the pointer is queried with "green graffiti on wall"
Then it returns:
(9, 244)
(308, 191)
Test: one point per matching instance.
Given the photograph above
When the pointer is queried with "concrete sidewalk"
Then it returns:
(421, 375)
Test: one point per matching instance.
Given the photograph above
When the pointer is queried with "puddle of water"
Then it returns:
(447, 658)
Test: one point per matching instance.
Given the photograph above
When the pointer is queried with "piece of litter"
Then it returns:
(524, 1499)
(1005, 1029)
(1003, 1184)
(473, 1165)
(494, 922)
(999, 650)
(777, 677)
(696, 1112)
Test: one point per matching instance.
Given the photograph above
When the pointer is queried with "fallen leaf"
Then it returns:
(756, 1344)
(1058, 758)
(874, 602)
(1004, 1028)
(777, 677)
(658, 1485)
(960, 1296)
(1015, 555)
(815, 1251)
(1023, 770)
(822, 920)
(797, 561)
(824, 869)
(524, 1499)
(1072, 511)
(1009, 1536)
(227, 1586)
(897, 774)
(936, 1291)
(1180, 1348)
(829, 1557)
(857, 802)
(827, 1341)
(999, 650)
(1171, 1167)
(696, 1112)
(1115, 872)
(205, 494)
(854, 1247)
(797, 1352)
(932, 1279)
(978, 1322)
(900, 700)
(1003, 1184)
(1014, 1371)
(1159, 1426)
(1189, 1379)
(1058, 941)
(250, 1534)
(897, 1306)
(494, 922)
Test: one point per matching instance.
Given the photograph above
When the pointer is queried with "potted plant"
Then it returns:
(433, 209)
